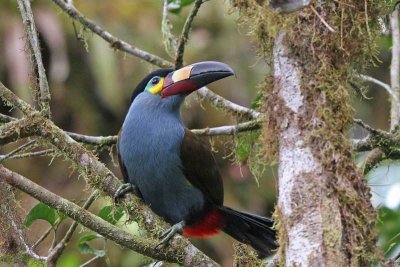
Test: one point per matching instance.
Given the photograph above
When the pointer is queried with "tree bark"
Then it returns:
(11, 247)
(310, 216)
(324, 215)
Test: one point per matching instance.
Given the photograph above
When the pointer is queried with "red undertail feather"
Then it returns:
(208, 226)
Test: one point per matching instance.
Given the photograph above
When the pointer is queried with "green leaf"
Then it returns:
(388, 225)
(111, 215)
(257, 101)
(40, 212)
(61, 216)
(175, 6)
(85, 248)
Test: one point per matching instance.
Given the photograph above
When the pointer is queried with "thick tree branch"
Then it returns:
(91, 221)
(32, 36)
(98, 176)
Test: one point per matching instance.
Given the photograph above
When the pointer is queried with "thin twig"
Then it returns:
(395, 69)
(56, 252)
(226, 105)
(27, 18)
(230, 129)
(379, 83)
(15, 151)
(42, 237)
(39, 153)
(322, 19)
(114, 41)
(91, 260)
(185, 34)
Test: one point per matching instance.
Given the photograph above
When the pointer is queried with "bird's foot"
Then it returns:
(123, 189)
(169, 233)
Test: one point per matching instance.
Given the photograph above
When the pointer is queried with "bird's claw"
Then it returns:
(123, 189)
(169, 233)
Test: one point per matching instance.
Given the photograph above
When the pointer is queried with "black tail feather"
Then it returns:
(250, 229)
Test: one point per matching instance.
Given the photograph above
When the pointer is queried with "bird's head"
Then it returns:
(168, 82)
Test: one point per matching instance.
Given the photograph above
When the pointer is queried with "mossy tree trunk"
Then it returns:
(324, 213)
(12, 250)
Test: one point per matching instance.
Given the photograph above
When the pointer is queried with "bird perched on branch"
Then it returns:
(173, 170)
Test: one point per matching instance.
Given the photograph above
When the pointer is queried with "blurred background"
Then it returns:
(91, 86)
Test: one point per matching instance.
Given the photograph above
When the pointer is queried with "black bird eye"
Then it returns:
(155, 81)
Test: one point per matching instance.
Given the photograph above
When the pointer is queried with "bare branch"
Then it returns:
(15, 151)
(56, 252)
(395, 69)
(213, 98)
(42, 237)
(226, 105)
(27, 18)
(379, 83)
(91, 261)
(92, 169)
(114, 41)
(46, 152)
(185, 33)
(230, 129)
(91, 221)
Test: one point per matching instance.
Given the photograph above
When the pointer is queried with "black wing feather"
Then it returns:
(200, 167)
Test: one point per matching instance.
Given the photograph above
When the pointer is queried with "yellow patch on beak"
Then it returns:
(182, 74)
(156, 89)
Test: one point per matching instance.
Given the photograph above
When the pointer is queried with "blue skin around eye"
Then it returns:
(151, 84)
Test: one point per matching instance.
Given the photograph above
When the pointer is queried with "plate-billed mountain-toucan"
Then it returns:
(173, 170)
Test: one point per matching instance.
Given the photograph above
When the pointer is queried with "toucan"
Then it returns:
(173, 170)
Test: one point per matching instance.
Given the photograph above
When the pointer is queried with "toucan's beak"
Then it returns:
(193, 77)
